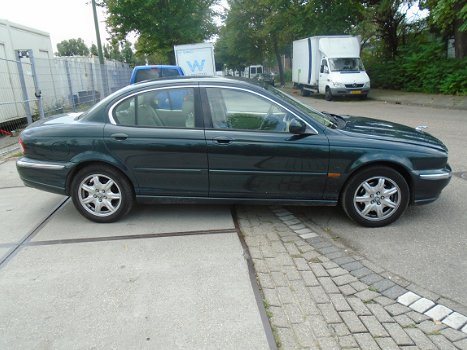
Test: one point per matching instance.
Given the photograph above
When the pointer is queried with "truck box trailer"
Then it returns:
(329, 65)
(196, 59)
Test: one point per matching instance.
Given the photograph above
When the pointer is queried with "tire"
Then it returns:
(328, 94)
(375, 197)
(304, 92)
(101, 193)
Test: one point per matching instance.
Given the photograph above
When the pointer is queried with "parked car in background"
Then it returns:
(266, 78)
(151, 72)
(230, 142)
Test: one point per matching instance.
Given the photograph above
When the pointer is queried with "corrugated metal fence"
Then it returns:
(33, 88)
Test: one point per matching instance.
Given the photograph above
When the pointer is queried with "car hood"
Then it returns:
(381, 129)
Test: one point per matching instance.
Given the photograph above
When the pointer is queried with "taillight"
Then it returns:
(21, 146)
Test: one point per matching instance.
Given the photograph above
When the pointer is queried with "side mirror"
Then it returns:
(321, 70)
(297, 127)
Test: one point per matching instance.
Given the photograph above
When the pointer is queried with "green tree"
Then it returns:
(127, 53)
(161, 24)
(93, 50)
(390, 22)
(256, 30)
(450, 18)
(72, 47)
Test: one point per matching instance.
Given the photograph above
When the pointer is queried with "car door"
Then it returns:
(252, 154)
(323, 76)
(156, 135)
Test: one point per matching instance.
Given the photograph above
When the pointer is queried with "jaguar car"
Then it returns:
(220, 140)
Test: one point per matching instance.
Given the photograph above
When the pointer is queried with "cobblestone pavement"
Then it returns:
(320, 296)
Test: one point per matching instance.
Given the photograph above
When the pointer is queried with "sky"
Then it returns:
(62, 19)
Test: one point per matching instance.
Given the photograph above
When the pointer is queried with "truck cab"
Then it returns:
(343, 76)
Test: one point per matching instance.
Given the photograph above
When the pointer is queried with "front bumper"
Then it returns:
(350, 92)
(428, 185)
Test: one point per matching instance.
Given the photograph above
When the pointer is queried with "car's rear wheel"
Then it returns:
(102, 193)
(375, 196)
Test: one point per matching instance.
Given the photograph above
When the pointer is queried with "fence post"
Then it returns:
(20, 54)
(70, 88)
(38, 92)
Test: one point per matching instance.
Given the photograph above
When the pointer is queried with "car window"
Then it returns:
(147, 74)
(169, 108)
(170, 72)
(243, 110)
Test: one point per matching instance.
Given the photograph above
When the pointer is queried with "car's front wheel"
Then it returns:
(101, 193)
(375, 196)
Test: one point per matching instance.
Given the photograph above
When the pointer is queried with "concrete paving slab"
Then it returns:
(22, 209)
(3, 252)
(8, 174)
(190, 292)
(147, 219)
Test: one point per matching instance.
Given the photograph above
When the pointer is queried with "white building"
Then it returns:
(63, 82)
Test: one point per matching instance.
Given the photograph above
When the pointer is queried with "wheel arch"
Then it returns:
(90, 162)
(401, 169)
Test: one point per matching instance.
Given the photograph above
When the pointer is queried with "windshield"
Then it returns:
(346, 64)
(312, 113)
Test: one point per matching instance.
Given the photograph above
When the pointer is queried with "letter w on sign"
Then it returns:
(196, 65)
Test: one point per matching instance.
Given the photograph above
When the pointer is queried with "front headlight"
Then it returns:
(367, 85)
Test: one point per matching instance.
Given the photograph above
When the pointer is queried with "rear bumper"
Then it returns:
(46, 176)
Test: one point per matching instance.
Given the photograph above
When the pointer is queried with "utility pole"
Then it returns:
(99, 51)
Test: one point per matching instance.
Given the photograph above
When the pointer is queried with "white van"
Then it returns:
(329, 65)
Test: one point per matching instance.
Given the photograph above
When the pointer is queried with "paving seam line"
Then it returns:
(254, 284)
(435, 311)
(30, 235)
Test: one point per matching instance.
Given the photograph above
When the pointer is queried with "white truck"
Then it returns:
(329, 65)
(196, 59)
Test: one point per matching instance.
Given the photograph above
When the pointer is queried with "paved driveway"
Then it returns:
(166, 277)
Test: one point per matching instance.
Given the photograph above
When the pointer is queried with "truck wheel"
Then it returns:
(328, 94)
(304, 92)
(375, 196)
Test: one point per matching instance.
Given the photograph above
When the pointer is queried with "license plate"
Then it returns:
(355, 92)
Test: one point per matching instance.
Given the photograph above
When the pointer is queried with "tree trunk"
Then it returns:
(460, 38)
(279, 60)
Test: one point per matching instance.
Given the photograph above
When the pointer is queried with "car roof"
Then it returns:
(195, 80)
(155, 66)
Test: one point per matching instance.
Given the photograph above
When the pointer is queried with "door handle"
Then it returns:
(223, 140)
(119, 136)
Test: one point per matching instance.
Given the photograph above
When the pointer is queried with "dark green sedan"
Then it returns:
(215, 140)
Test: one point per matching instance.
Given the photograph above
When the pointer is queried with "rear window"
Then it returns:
(171, 72)
(147, 74)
